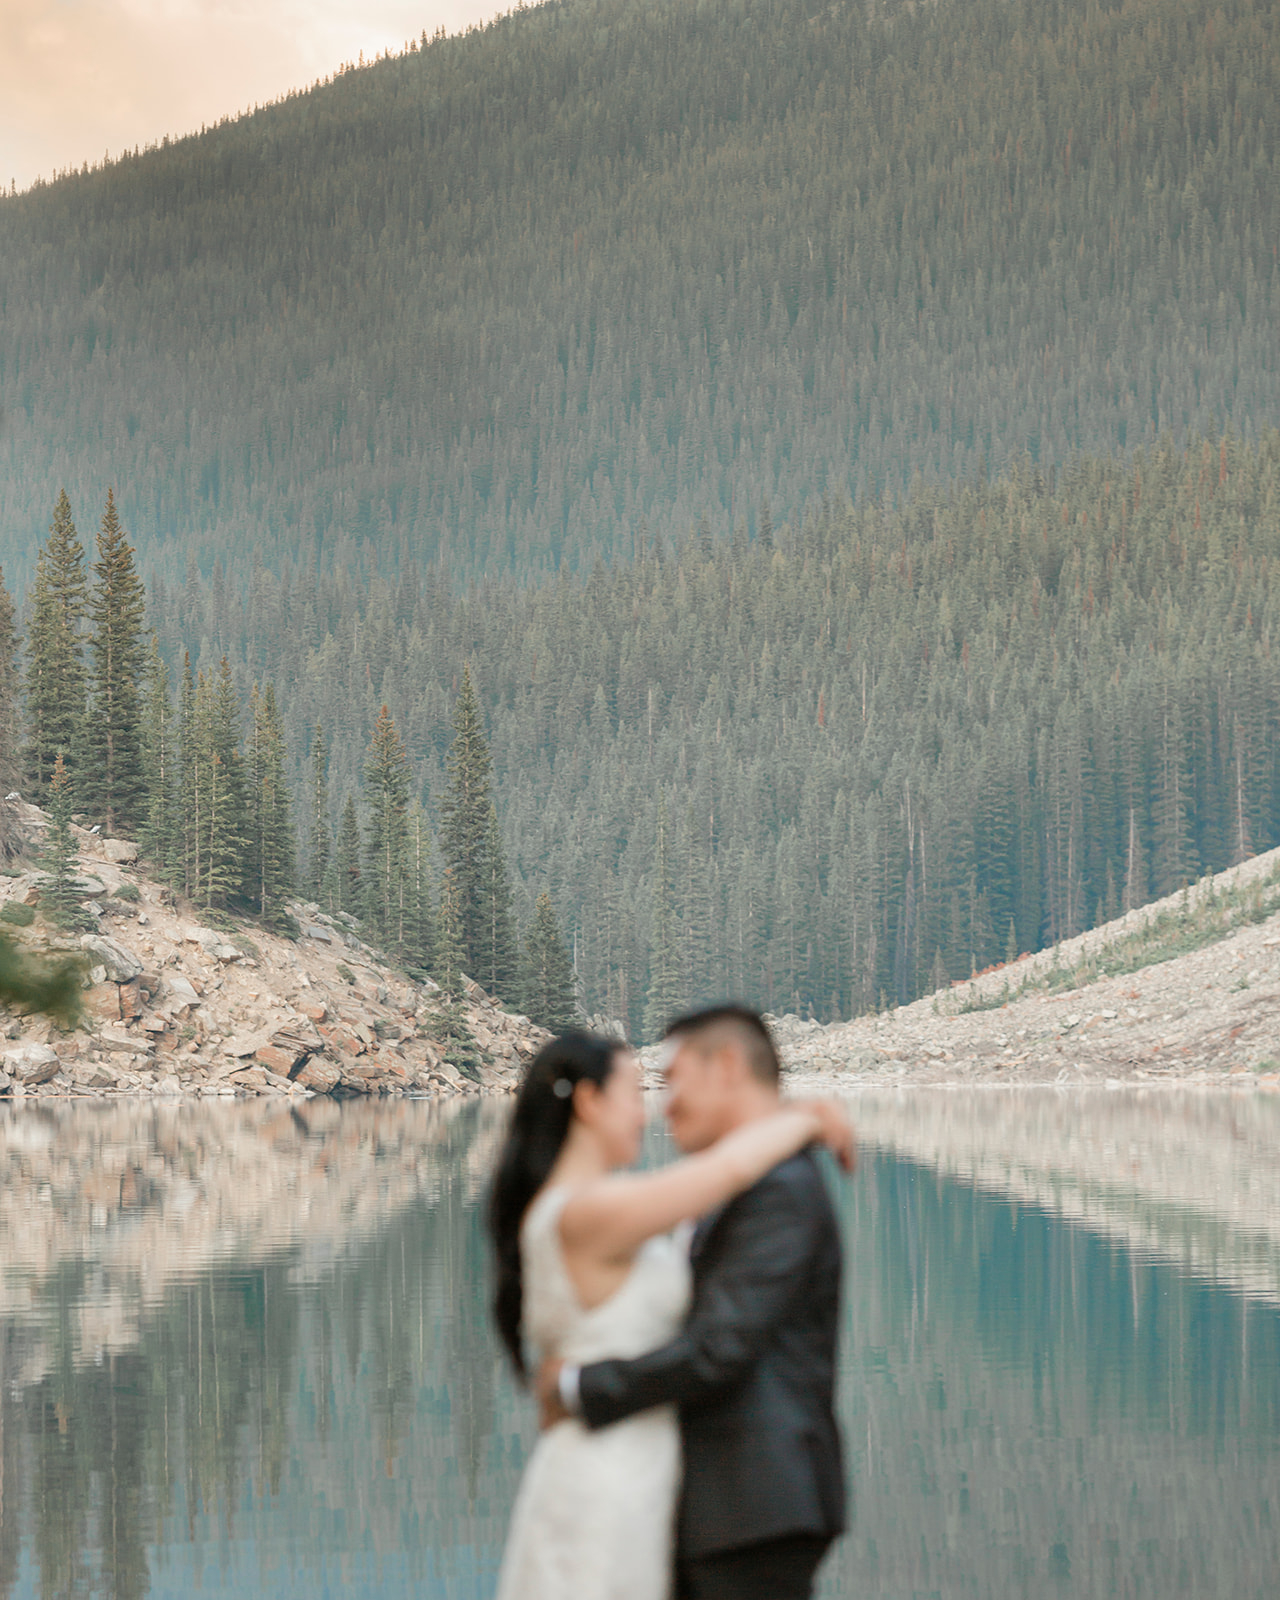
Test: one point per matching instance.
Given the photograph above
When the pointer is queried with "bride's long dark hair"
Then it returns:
(539, 1127)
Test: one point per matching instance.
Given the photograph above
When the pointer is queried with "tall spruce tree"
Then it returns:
(190, 779)
(10, 759)
(464, 820)
(270, 862)
(111, 781)
(159, 833)
(218, 791)
(448, 1022)
(319, 844)
(497, 966)
(386, 779)
(58, 897)
(421, 926)
(664, 998)
(550, 997)
(55, 656)
(348, 861)
(449, 952)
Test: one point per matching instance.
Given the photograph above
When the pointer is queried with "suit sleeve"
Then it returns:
(762, 1245)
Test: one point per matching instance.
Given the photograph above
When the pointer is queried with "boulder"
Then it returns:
(131, 1000)
(95, 1075)
(30, 1064)
(275, 1060)
(103, 999)
(214, 944)
(313, 930)
(117, 1040)
(297, 1040)
(179, 990)
(119, 850)
(318, 1075)
(121, 965)
(245, 1044)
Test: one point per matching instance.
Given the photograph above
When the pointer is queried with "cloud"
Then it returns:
(81, 78)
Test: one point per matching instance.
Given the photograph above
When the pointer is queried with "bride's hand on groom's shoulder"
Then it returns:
(835, 1129)
(546, 1390)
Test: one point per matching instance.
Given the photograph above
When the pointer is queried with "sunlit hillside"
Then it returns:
(606, 266)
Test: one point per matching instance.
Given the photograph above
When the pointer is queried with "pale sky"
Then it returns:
(79, 78)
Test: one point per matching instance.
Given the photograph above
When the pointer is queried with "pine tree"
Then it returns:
(224, 823)
(386, 777)
(420, 938)
(10, 832)
(497, 966)
(464, 819)
(58, 897)
(448, 1022)
(55, 669)
(319, 848)
(664, 997)
(111, 779)
(159, 834)
(549, 989)
(348, 861)
(270, 862)
(190, 778)
(450, 954)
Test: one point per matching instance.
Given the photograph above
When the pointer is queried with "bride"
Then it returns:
(588, 1268)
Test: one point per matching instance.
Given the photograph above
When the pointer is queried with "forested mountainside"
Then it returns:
(498, 301)
(847, 760)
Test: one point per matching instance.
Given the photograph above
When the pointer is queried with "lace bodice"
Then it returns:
(645, 1311)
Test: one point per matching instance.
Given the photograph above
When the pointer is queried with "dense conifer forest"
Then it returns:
(836, 765)
(494, 305)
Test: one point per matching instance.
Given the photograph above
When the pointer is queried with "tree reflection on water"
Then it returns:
(245, 1349)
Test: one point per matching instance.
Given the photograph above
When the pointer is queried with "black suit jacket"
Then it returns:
(753, 1371)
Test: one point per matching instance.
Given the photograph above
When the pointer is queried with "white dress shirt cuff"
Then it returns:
(569, 1397)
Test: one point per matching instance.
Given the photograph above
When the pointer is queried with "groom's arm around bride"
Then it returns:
(753, 1370)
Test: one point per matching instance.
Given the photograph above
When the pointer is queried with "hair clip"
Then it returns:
(562, 1089)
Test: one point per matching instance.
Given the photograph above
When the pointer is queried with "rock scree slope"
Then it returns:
(1183, 990)
(176, 1007)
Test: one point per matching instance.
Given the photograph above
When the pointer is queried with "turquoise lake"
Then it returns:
(245, 1350)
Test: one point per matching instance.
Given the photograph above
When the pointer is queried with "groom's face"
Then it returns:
(699, 1085)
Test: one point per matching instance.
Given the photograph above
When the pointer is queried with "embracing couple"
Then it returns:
(684, 1323)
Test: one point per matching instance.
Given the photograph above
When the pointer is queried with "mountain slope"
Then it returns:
(497, 302)
(878, 748)
(1184, 990)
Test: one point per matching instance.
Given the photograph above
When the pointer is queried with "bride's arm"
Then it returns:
(610, 1219)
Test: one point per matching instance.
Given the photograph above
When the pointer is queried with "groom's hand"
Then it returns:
(837, 1132)
(546, 1388)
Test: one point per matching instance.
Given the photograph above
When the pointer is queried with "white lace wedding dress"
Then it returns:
(594, 1518)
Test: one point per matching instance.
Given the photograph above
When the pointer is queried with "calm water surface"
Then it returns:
(245, 1351)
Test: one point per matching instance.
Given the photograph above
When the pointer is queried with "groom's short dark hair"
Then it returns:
(747, 1026)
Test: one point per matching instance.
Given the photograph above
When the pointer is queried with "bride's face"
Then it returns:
(615, 1113)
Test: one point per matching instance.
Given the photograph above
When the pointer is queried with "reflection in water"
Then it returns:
(246, 1350)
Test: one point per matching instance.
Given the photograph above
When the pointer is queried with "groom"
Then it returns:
(753, 1372)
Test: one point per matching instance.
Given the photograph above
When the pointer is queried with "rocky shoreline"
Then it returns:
(175, 1007)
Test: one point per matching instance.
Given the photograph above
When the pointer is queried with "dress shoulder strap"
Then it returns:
(543, 1216)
